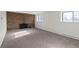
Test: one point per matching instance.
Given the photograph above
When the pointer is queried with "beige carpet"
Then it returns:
(35, 38)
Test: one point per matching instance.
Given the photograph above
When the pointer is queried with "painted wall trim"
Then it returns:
(69, 36)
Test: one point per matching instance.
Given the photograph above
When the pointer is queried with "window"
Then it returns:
(76, 16)
(71, 16)
(67, 17)
(40, 18)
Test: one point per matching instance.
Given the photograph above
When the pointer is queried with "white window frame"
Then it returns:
(73, 20)
(40, 19)
(67, 12)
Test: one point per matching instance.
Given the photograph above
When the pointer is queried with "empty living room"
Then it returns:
(39, 29)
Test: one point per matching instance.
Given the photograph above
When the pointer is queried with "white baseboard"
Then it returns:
(70, 36)
(66, 35)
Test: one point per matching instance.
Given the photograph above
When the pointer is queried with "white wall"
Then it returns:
(2, 25)
(52, 22)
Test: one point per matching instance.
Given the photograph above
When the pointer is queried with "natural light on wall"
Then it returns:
(70, 16)
(20, 34)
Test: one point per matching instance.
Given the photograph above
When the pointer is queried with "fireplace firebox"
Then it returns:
(23, 25)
